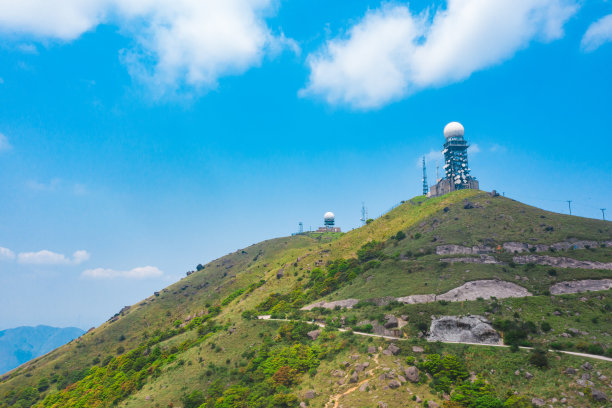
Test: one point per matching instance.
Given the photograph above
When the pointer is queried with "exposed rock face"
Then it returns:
(462, 250)
(581, 286)
(482, 259)
(414, 299)
(515, 247)
(472, 291)
(348, 303)
(561, 262)
(310, 394)
(468, 329)
(484, 289)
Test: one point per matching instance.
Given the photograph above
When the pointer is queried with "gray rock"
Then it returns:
(431, 404)
(598, 395)
(303, 405)
(348, 303)
(338, 373)
(314, 334)
(417, 349)
(517, 372)
(412, 374)
(393, 349)
(561, 262)
(310, 394)
(468, 329)
(528, 375)
(401, 379)
(484, 289)
(393, 384)
(538, 402)
(371, 349)
(570, 371)
(382, 405)
(364, 387)
(391, 322)
(587, 366)
(354, 377)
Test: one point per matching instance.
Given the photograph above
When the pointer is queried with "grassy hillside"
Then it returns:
(197, 342)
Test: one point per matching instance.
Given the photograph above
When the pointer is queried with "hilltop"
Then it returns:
(466, 265)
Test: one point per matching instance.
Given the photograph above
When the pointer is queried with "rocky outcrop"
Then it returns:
(348, 303)
(484, 289)
(462, 250)
(465, 329)
(414, 299)
(482, 259)
(561, 262)
(587, 285)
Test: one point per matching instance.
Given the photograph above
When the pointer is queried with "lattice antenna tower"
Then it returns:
(364, 214)
(301, 228)
(425, 185)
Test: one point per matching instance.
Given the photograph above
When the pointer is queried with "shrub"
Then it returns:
(545, 326)
(538, 358)
(193, 400)
(400, 235)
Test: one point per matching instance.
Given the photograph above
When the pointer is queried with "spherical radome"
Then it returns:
(454, 129)
(329, 215)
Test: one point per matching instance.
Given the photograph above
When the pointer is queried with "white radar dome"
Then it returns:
(454, 129)
(329, 215)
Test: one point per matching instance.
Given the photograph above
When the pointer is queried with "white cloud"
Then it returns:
(392, 53)
(46, 257)
(498, 148)
(180, 42)
(598, 33)
(432, 156)
(473, 149)
(4, 143)
(6, 254)
(142, 272)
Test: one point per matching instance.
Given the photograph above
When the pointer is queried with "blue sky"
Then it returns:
(141, 138)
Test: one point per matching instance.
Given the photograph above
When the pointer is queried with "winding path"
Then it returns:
(572, 353)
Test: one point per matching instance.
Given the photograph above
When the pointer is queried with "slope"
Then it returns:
(197, 338)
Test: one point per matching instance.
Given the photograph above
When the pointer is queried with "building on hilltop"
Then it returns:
(456, 170)
(329, 220)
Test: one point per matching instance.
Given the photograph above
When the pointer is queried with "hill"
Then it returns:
(22, 344)
(354, 313)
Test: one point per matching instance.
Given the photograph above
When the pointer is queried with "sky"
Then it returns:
(139, 138)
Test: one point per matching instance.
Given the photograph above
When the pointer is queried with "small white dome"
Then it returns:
(454, 129)
(329, 216)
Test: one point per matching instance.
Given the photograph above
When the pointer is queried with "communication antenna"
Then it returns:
(425, 186)
(603, 213)
(301, 228)
(437, 171)
(569, 204)
(364, 214)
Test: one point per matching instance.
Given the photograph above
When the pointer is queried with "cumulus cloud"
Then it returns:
(392, 53)
(4, 143)
(6, 254)
(46, 257)
(142, 272)
(598, 33)
(180, 42)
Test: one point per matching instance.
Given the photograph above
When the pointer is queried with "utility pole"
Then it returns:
(569, 204)
(603, 213)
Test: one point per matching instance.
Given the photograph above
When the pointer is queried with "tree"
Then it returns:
(193, 400)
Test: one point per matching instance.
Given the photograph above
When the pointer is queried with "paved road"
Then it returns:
(593, 356)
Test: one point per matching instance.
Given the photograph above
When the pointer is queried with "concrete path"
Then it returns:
(573, 353)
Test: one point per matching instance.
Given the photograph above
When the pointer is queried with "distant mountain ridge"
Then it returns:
(24, 343)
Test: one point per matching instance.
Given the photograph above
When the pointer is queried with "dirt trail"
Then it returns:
(334, 400)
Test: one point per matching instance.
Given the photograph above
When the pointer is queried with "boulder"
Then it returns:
(417, 349)
(432, 404)
(338, 373)
(354, 377)
(538, 402)
(371, 349)
(314, 334)
(466, 329)
(598, 395)
(303, 405)
(587, 366)
(393, 384)
(528, 375)
(382, 404)
(390, 322)
(364, 387)
(570, 371)
(310, 394)
(412, 374)
(393, 349)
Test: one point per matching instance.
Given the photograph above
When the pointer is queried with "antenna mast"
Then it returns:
(364, 214)
(425, 185)
(603, 213)
(569, 204)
